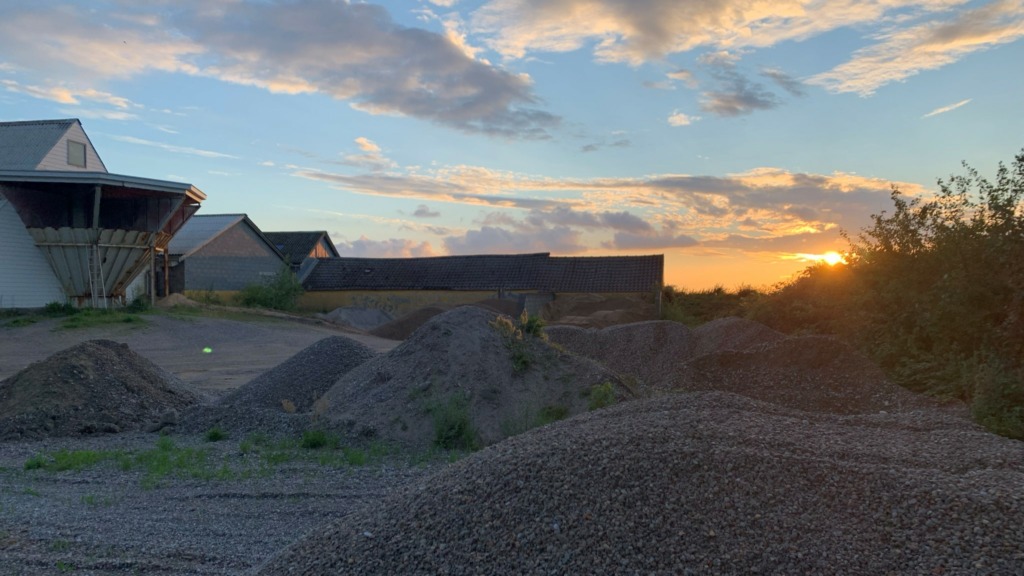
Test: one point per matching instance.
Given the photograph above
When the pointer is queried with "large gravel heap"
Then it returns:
(706, 482)
(458, 357)
(98, 386)
(736, 355)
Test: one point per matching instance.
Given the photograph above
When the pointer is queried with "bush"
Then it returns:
(601, 396)
(215, 435)
(933, 292)
(279, 293)
(453, 429)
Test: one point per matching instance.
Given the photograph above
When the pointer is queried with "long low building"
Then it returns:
(401, 285)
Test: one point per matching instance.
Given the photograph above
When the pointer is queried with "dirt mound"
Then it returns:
(303, 378)
(813, 373)
(94, 387)
(459, 364)
(650, 352)
(698, 483)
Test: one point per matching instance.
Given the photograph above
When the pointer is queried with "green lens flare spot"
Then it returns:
(207, 350)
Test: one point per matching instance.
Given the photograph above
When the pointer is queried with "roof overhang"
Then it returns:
(103, 179)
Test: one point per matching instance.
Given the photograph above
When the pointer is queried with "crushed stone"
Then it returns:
(699, 483)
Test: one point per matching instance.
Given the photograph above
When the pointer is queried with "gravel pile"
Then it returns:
(700, 483)
(649, 352)
(303, 378)
(813, 373)
(98, 386)
(458, 363)
(731, 333)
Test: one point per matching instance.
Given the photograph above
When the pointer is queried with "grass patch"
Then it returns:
(90, 317)
(215, 434)
(601, 395)
(314, 439)
(453, 429)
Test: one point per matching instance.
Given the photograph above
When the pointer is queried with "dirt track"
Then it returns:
(240, 349)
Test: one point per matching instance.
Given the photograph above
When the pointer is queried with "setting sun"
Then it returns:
(832, 258)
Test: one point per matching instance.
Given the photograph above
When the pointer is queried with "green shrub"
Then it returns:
(601, 395)
(279, 293)
(314, 439)
(453, 429)
(57, 309)
(215, 434)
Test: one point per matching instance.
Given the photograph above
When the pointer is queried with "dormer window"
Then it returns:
(76, 154)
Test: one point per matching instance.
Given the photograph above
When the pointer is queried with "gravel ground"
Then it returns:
(100, 521)
(700, 483)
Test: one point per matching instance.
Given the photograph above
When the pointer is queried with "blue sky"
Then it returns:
(736, 137)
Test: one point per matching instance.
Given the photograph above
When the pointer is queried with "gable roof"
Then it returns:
(25, 145)
(202, 229)
(296, 246)
(489, 272)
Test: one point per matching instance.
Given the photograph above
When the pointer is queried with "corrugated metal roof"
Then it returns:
(490, 272)
(200, 230)
(23, 145)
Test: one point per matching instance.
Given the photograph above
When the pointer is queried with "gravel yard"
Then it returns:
(748, 453)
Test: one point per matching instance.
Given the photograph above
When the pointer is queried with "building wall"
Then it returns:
(26, 279)
(57, 157)
(394, 302)
(232, 261)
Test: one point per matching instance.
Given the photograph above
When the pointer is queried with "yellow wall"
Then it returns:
(394, 302)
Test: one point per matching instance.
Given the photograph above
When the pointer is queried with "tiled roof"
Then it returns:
(490, 272)
(23, 145)
(200, 230)
(295, 246)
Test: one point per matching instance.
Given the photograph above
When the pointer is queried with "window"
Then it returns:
(76, 154)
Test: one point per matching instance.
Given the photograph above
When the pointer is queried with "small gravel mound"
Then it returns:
(812, 373)
(699, 483)
(649, 352)
(402, 327)
(731, 333)
(303, 378)
(98, 386)
(459, 364)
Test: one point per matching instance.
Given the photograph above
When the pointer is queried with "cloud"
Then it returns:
(638, 32)
(905, 52)
(737, 95)
(785, 81)
(657, 241)
(390, 248)
(422, 211)
(944, 109)
(65, 95)
(351, 51)
(372, 157)
(173, 148)
(100, 114)
(684, 76)
(595, 146)
(677, 118)
(495, 240)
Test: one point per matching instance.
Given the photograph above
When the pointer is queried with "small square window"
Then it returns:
(76, 154)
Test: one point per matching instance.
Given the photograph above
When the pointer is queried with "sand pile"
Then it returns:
(700, 483)
(459, 363)
(98, 386)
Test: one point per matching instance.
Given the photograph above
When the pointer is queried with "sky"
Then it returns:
(739, 138)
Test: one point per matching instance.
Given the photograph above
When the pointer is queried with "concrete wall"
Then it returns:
(26, 278)
(232, 261)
